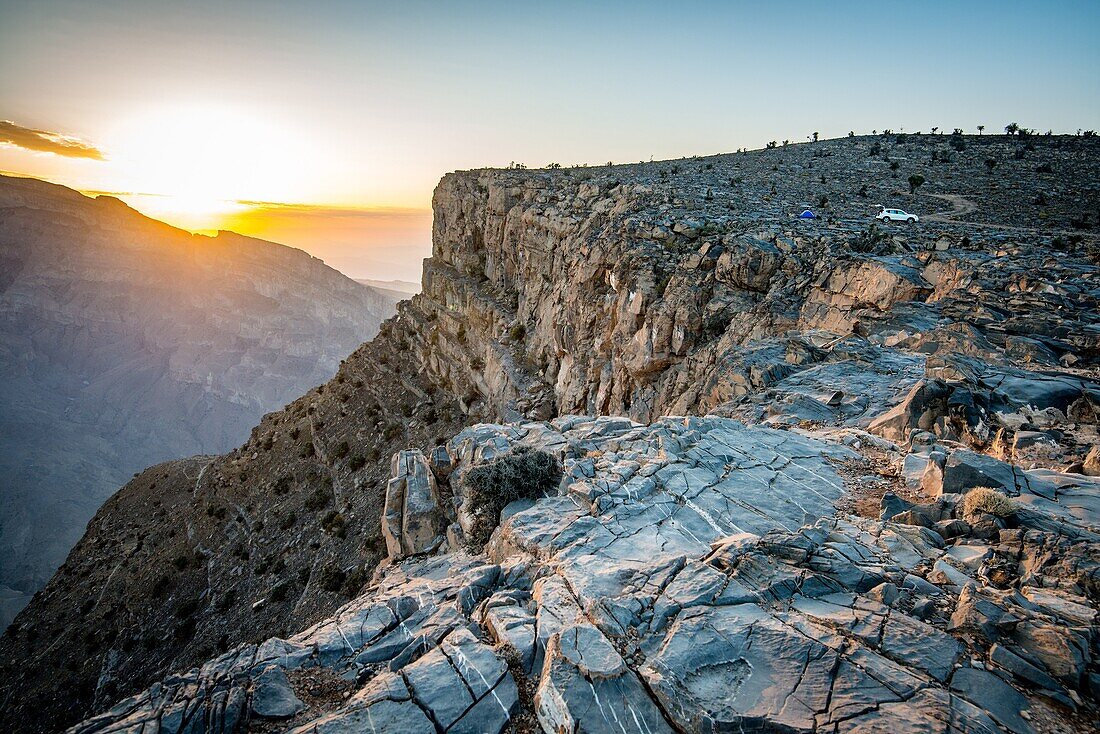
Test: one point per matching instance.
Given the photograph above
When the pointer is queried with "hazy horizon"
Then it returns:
(327, 127)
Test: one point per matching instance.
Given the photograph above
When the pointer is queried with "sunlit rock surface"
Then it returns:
(692, 575)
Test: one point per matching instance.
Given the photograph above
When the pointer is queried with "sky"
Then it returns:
(327, 124)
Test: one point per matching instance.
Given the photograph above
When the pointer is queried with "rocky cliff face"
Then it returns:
(814, 555)
(125, 342)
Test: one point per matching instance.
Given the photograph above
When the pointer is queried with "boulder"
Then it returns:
(924, 403)
(272, 696)
(1003, 702)
(586, 686)
(412, 521)
(965, 470)
(1091, 464)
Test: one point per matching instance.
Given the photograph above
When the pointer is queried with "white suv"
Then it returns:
(896, 215)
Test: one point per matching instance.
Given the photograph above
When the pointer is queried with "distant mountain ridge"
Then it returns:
(404, 287)
(125, 342)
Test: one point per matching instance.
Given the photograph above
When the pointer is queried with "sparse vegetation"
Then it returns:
(985, 499)
(332, 578)
(869, 239)
(524, 473)
(333, 523)
(318, 500)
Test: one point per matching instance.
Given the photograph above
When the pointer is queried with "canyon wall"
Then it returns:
(670, 288)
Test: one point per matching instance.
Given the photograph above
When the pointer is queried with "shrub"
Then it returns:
(990, 164)
(161, 587)
(341, 450)
(333, 523)
(355, 581)
(279, 591)
(332, 578)
(356, 462)
(318, 500)
(984, 499)
(915, 182)
(868, 240)
(187, 608)
(524, 473)
(392, 431)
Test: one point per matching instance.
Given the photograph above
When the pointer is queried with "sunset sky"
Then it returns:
(326, 125)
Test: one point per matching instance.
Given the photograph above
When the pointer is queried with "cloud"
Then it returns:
(46, 142)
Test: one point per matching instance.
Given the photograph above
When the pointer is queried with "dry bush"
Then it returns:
(984, 499)
(522, 474)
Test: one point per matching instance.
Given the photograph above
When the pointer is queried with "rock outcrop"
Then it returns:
(874, 515)
(125, 342)
(693, 575)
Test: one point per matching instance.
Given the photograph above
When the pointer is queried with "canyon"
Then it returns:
(793, 475)
(125, 342)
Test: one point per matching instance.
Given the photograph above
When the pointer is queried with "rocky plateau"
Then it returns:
(646, 454)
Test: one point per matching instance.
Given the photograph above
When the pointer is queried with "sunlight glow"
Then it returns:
(202, 160)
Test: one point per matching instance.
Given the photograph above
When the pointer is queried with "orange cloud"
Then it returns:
(46, 141)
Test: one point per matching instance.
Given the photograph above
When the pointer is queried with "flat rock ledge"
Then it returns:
(692, 575)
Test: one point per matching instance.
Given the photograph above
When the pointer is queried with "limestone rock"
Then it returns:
(412, 520)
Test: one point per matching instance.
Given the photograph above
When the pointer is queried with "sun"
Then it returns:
(194, 164)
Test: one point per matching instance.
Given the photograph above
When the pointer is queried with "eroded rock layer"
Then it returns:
(955, 354)
(692, 575)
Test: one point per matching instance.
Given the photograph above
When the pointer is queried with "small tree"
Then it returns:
(815, 137)
(1011, 128)
(934, 130)
(990, 164)
(915, 182)
(980, 128)
(894, 165)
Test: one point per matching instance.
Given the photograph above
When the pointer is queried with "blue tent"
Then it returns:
(807, 214)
